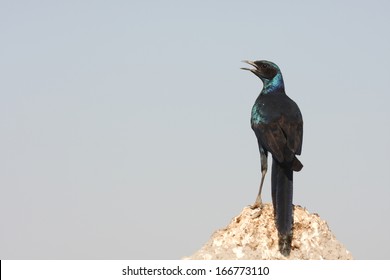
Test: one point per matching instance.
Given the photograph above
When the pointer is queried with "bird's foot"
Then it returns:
(258, 205)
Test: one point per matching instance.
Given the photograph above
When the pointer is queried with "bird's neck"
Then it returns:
(276, 84)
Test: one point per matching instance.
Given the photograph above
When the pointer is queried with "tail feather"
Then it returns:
(282, 193)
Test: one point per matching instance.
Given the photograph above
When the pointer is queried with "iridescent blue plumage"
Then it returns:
(275, 83)
(271, 85)
(277, 123)
(257, 116)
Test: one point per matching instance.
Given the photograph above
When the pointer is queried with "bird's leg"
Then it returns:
(258, 201)
(264, 167)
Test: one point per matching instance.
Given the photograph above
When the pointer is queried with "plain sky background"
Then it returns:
(124, 125)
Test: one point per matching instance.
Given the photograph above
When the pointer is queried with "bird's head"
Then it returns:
(263, 69)
(268, 72)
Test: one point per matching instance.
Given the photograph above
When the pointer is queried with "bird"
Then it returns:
(278, 125)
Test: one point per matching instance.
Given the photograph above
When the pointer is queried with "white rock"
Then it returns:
(252, 236)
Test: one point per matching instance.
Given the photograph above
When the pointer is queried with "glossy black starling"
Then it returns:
(278, 125)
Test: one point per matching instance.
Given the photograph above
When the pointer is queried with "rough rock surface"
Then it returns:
(253, 235)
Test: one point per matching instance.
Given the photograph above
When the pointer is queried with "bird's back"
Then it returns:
(277, 123)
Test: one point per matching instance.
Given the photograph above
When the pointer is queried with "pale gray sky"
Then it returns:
(124, 125)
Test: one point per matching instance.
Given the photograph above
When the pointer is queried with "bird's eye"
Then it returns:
(264, 66)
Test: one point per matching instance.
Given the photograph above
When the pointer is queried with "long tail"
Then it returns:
(282, 193)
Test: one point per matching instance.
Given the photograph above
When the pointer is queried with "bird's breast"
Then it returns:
(258, 115)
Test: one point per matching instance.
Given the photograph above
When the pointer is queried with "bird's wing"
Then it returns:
(293, 131)
(282, 138)
(271, 136)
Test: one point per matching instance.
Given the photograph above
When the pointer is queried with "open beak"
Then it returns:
(250, 63)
